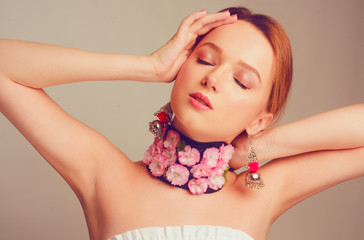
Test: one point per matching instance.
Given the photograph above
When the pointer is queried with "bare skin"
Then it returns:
(101, 175)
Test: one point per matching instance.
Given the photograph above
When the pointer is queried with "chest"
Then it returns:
(140, 200)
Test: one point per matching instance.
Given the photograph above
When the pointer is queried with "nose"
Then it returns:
(214, 78)
(210, 82)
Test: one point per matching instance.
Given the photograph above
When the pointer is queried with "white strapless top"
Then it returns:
(187, 232)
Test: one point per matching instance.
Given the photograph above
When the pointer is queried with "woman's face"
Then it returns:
(224, 85)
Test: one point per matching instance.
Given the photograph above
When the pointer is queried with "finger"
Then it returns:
(210, 18)
(203, 26)
(186, 23)
(193, 17)
(207, 27)
(215, 16)
(196, 20)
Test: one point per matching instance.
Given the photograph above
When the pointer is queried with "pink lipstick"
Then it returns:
(200, 101)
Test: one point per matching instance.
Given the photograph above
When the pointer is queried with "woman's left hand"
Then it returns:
(241, 148)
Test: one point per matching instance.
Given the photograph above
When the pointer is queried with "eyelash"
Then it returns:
(204, 62)
(200, 61)
(240, 84)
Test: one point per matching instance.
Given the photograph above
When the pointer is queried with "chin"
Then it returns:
(198, 131)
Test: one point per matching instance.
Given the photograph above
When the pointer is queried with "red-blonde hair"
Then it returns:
(282, 49)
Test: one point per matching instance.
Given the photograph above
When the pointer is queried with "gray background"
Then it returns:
(327, 40)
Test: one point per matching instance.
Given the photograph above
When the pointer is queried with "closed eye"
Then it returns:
(200, 61)
(240, 84)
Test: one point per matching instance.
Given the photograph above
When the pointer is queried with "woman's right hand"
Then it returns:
(168, 59)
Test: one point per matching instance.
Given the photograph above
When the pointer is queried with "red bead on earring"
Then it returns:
(165, 115)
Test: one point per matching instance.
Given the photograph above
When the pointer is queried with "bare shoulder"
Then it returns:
(76, 151)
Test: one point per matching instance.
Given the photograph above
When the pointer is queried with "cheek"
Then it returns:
(175, 96)
(179, 82)
(183, 78)
(186, 80)
(180, 89)
(242, 111)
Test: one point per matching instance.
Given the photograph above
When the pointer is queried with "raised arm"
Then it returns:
(75, 150)
(332, 130)
(40, 65)
(310, 155)
(72, 148)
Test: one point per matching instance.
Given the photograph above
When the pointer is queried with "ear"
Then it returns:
(259, 124)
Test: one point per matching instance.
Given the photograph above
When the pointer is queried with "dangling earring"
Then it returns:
(165, 115)
(253, 178)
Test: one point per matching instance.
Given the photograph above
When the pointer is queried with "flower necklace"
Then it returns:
(191, 165)
(188, 164)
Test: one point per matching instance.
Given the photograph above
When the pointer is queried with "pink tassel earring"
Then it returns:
(253, 178)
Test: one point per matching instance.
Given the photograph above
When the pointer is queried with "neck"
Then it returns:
(200, 145)
(196, 134)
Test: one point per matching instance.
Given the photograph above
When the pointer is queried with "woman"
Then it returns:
(227, 68)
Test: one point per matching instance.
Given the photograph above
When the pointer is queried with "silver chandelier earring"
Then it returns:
(165, 115)
(253, 178)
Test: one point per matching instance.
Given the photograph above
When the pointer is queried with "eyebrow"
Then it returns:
(241, 62)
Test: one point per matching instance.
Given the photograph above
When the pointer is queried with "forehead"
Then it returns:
(242, 41)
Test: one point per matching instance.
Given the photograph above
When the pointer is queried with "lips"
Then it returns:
(200, 101)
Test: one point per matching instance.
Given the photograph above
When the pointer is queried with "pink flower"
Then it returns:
(157, 167)
(216, 182)
(169, 156)
(157, 147)
(189, 156)
(210, 157)
(148, 157)
(226, 153)
(198, 186)
(172, 139)
(200, 170)
(153, 151)
(220, 168)
(177, 174)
